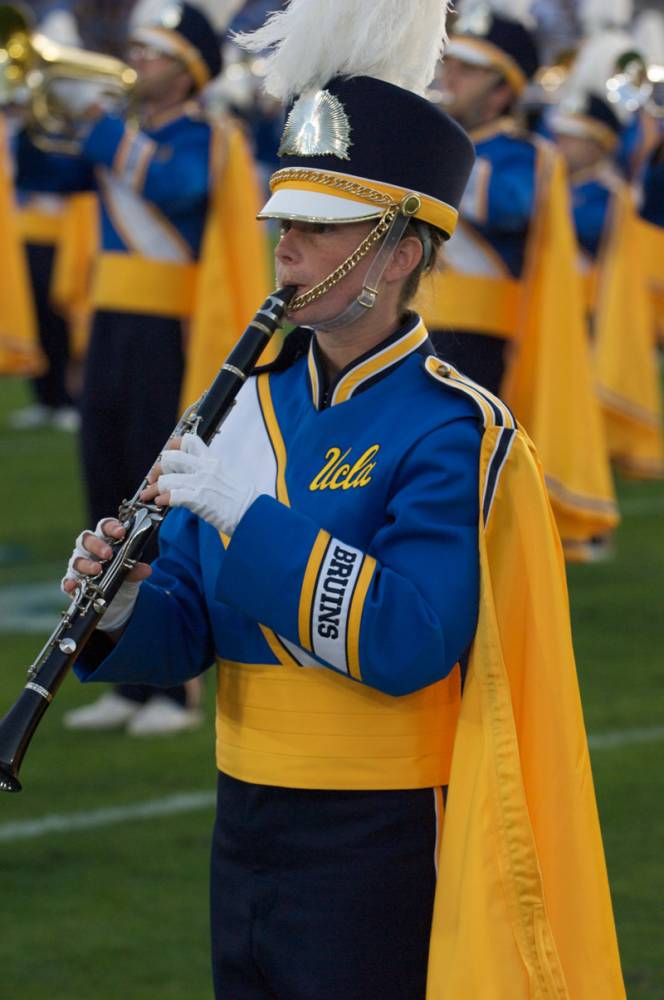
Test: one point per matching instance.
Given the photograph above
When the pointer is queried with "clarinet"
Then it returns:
(141, 521)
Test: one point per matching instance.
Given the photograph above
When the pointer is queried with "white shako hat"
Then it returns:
(360, 137)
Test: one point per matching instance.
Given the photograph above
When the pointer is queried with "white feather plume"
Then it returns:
(597, 14)
(596, 60)
(649, 35)
(219, 12)
(309, 42)
(515, 10)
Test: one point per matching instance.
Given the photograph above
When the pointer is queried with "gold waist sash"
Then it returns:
(128, 283)
(41, 227)
(310, 728)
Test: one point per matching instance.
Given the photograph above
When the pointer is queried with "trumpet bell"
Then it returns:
(58, 83)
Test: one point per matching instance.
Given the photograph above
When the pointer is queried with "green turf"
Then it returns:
(122, 910)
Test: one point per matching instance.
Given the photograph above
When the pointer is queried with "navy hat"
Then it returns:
(357, 146)
(183, 31)
(484, 38)
(588, 117)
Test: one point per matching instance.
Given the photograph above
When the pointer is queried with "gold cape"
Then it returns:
(523, 909)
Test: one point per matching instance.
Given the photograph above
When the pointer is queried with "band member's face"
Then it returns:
(157, 71)
(467, 90)
(308, 252)
(579, 152)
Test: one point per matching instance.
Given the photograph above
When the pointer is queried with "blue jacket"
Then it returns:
(166, 168)
(359, 556)
(500, 197)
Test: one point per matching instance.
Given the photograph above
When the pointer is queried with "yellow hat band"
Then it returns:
(376, 195)
(173, 44)
(491, 56)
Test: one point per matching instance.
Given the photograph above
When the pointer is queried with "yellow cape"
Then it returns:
(75, 255)
(522, 910)
(233, 276)
(550, 382)
(626, 361)
(20, 353)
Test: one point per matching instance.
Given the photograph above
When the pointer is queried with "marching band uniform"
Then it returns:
(159, 187)
(506, 308)
(375, 538)
(615, 272)
(154, 188)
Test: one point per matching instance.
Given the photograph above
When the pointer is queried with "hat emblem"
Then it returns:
(477, 21)
(316, 126)
(172, 15)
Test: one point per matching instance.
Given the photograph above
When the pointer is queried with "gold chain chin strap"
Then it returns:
(344, 184)
(378, 231)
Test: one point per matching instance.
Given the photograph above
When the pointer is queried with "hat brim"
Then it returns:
(481, 52)
(315, 206)
(583, 127)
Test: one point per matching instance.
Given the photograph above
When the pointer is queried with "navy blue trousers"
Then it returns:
(129, 405)
(319, 895)
(50, 388)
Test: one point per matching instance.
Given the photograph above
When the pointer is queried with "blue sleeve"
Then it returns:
(168, 639)
(54, 173)
(173, 175)
(511, 192)
(396, 617)
(589, 205)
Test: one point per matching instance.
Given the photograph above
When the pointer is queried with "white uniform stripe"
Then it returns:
(332, 600)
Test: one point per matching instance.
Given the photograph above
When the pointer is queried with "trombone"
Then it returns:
(56, 83)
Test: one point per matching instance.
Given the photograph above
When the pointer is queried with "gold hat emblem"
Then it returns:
(316, 126)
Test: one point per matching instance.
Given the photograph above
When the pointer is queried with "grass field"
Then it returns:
(119, 909)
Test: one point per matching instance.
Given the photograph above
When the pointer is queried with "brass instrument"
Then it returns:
(629, 88)
(57, 83)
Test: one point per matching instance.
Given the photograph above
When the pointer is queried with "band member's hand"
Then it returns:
(91, 550)
(189, 476)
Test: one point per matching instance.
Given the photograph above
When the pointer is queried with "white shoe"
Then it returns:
(163, 715)
(66, 418)
(29, 417)
(111, 711)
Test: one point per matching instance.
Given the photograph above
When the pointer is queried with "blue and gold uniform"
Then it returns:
(472, 307)
(388, 614)
(154, 185)
(365, 521)
(614, 270)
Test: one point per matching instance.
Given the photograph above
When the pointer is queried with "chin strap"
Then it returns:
(393, 224)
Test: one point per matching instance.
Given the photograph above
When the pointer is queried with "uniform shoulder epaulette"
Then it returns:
(495, 415)
(295, 346)
(494, 412)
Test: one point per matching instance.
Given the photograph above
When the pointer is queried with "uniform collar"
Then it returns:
(167, 117)
(368, 368)
(500, 126)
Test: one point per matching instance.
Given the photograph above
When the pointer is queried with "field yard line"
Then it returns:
(194, 801)
(186, 802)
(625, 738)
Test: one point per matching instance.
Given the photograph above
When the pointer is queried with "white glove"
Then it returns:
(200, 483)
(122, 605)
